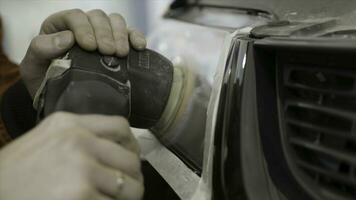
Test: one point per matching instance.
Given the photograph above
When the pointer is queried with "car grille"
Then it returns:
(318, 105)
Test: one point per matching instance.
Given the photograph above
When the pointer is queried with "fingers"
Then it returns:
(103, 33)
(137, 39)
(115, 156)
(42, 50)
(112, 160)
(106, 180)
(76, 21)
(120, 33)
(114, 128)
(46, 47)
(65, 159)
(95, 29)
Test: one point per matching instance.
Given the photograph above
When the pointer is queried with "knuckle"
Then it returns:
(53, 119)
(122, 121)
(117, 16)
(60, 115)
(65, 124)
(75, 137)
(34, 42)
(71, 143)
(116, 122)
(75, 11)
(72, 15)
(62, 118)
(45, 26)
(35, 45)
(123, 127)
(97, 12)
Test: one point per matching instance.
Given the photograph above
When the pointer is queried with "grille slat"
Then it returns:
(322, 79)
(331, 174)
(316, 128)
(319, 120)
(321, 108)
(303, 87)
(343, 156)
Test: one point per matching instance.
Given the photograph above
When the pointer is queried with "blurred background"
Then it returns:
(22, 18)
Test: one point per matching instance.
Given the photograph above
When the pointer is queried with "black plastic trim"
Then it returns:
(267, 105)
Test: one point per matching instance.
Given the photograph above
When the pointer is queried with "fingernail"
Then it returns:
(62, 41)
(141, 43)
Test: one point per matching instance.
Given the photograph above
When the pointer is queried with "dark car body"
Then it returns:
(283, 125)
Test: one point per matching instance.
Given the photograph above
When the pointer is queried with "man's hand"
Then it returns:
(92, 30)
(73, 157)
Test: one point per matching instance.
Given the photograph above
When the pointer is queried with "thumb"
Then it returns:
(42, 50)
